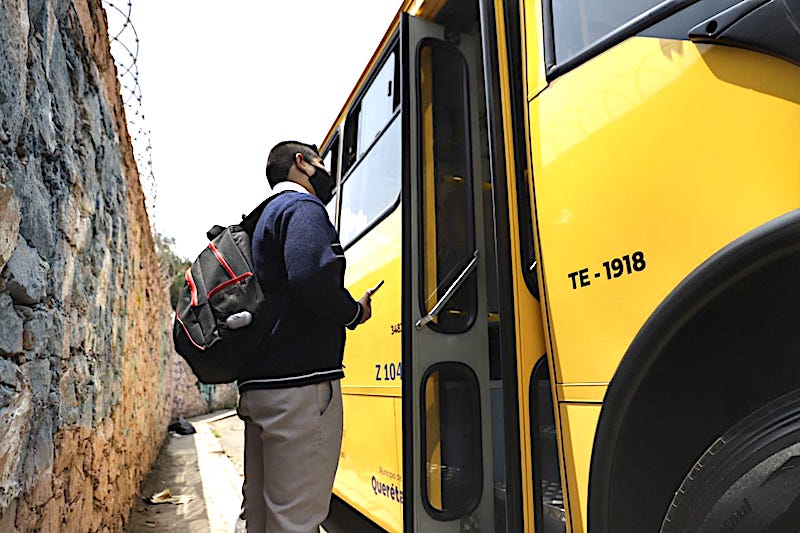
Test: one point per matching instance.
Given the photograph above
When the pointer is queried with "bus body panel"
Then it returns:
(373, 258)
(643, 173)
(658, 149)
(578, 422)
(369, 477)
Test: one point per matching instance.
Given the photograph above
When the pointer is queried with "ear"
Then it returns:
(302, 164)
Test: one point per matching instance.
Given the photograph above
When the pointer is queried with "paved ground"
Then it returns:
(229, 430)
(195, 468)
(177, 469)
(204, 471)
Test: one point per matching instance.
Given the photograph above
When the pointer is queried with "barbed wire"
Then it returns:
(125, 50)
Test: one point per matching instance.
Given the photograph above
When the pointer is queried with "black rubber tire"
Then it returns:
(748, 480)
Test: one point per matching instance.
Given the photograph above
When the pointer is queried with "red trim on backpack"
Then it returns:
(221, 260)
(237, 279)
(192, 286)
(177, 316)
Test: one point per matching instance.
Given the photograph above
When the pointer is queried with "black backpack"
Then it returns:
(221, 316)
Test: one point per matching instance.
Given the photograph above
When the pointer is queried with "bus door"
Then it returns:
(453, 431)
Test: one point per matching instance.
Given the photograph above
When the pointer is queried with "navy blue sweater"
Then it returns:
(300, 265)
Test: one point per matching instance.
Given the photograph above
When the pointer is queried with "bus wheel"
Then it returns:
(748, 480)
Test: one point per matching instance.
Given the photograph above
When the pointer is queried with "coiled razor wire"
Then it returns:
(125, 50)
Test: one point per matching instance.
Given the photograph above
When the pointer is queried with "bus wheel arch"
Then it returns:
(725, 342)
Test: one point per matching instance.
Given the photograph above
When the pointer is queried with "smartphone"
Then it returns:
(375, 288)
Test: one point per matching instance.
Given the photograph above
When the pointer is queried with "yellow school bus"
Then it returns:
(586, 215)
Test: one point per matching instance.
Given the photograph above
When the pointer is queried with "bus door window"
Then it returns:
(448, 239)
(452, 440)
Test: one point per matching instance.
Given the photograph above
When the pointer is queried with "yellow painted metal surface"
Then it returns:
(369, 477)
(582, 392)
(662, 149)
(532, 47)
(375, 343)
(372, 390)
(578, 424)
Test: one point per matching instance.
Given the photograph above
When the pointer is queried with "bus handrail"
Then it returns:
(450, 292)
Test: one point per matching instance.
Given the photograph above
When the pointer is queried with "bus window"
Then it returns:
(579, 23)
(330, 158)
(448, 239)
(373, 112)
(452, 441)
(373, 187)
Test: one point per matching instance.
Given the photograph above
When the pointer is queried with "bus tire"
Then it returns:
(748, 480)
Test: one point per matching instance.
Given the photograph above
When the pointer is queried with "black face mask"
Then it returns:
(322, 183)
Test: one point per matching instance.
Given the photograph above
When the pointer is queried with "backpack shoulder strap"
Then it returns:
(248, 223)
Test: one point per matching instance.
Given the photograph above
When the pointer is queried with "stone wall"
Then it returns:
(85, 355)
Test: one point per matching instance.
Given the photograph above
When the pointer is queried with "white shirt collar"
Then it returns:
(288, 186)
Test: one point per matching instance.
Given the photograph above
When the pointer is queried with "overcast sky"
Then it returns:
(223, 81)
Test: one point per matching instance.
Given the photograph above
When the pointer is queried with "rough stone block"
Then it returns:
(39, 376)
(43, 331)
(28, 516)
(14, 27)
(36, 224)
(42, 492)
(38, 467)
(52, 515)
(16, 407)
(7, 517)
(27, 280)
(10, 327)
(9, 223)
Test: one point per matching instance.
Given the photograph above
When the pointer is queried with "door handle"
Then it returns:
(449, 292)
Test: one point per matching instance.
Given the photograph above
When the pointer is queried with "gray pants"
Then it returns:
(293, 438)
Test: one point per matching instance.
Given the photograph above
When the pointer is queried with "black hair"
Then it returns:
(281, 159)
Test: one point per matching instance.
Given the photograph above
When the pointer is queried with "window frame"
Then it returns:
(391, 207)
(391, 48)
(337, 165)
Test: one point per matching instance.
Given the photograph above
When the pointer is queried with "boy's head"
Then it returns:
(283, 156)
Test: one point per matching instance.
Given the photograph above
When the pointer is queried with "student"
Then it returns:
(290, 398)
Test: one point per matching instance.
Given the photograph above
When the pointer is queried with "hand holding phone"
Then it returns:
(375, 288)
